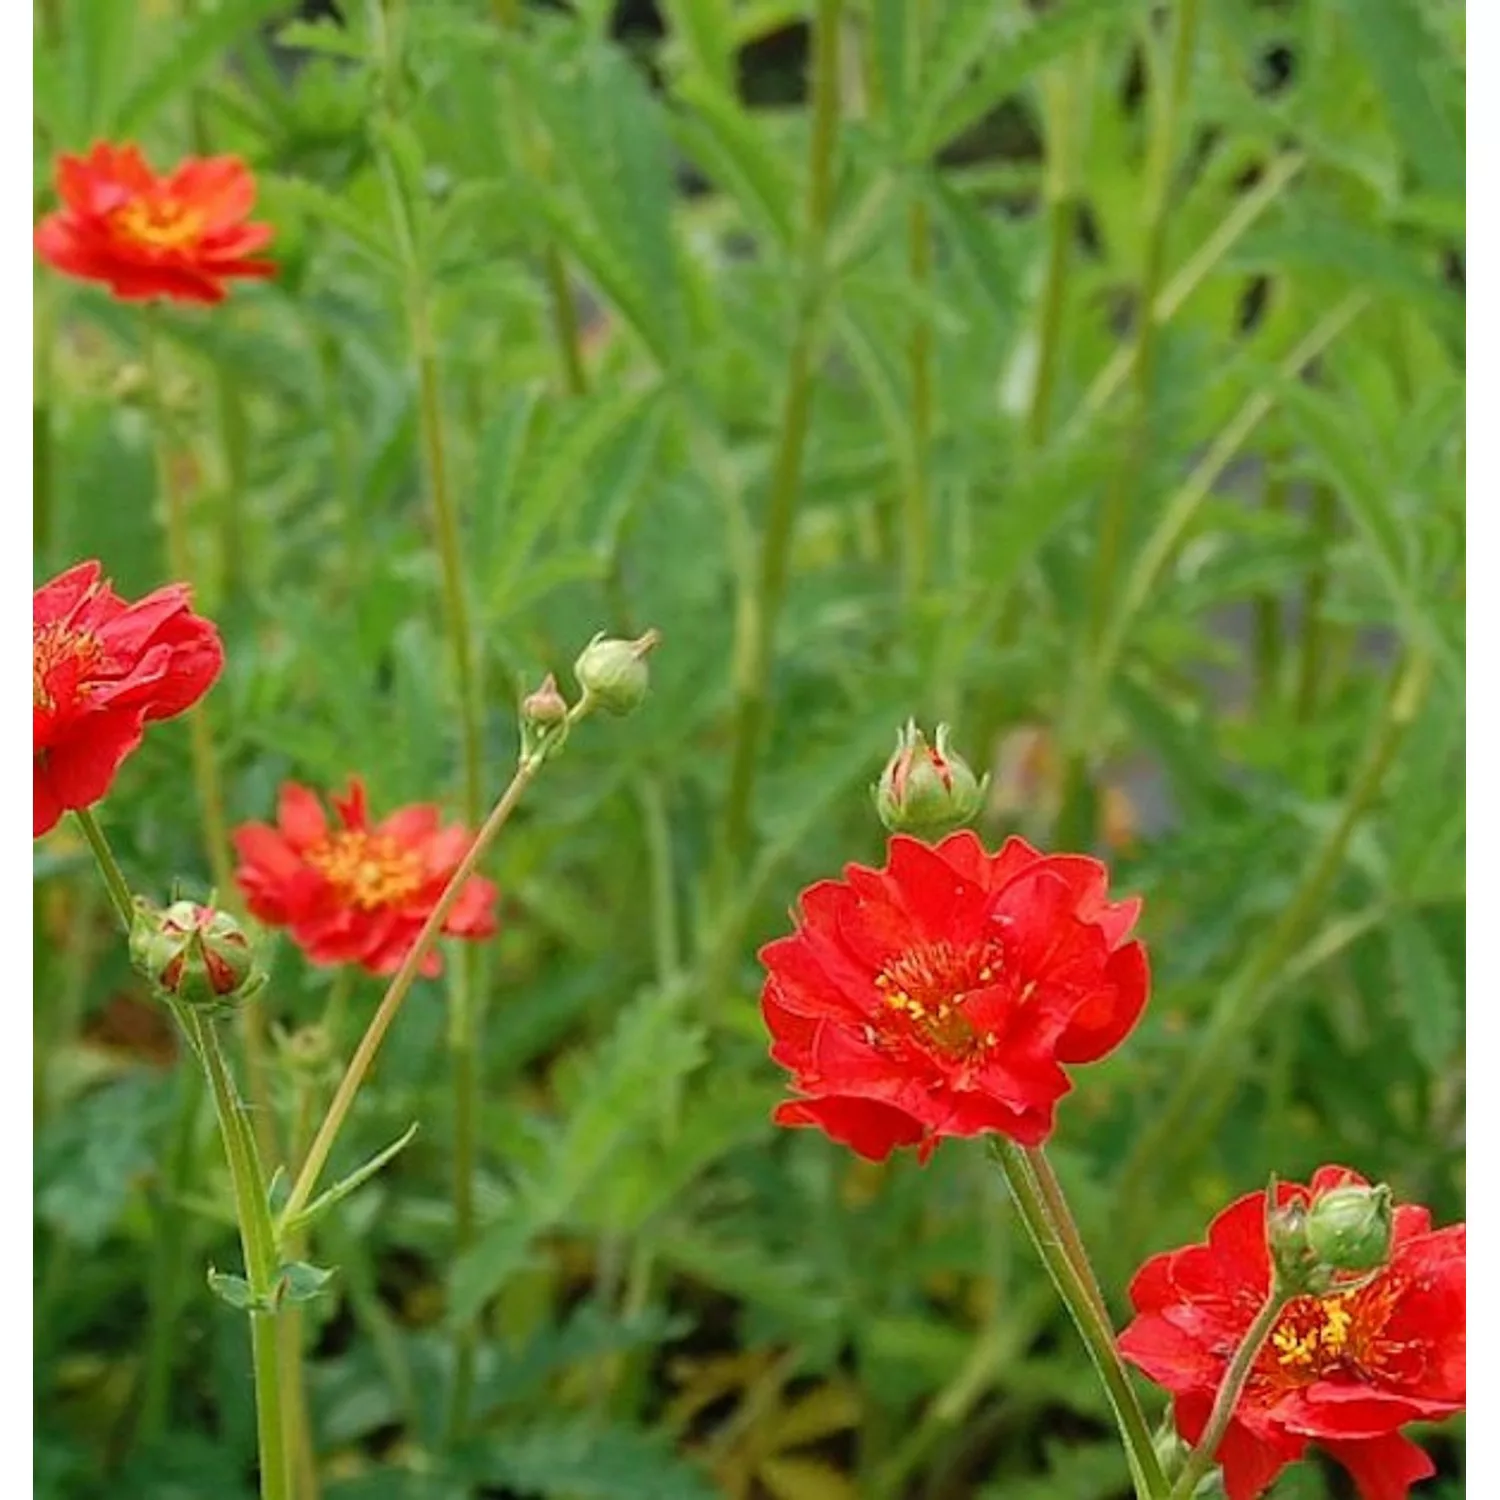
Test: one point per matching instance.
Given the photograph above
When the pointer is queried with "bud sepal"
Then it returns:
(927, 790)
(194, 955)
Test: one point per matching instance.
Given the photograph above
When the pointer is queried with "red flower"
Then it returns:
(357, 894)
(940, 995)
(1345, 1370)
(100, 668)
(181, 236)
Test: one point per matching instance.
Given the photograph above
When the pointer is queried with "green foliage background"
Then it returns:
(902, 441)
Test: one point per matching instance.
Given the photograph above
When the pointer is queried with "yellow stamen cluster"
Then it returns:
(54, 645)
(165, 223)
(1318, 1344)
(369, 871)
(928, 987)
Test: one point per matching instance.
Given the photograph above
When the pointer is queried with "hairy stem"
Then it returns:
(1201, 1460)
(402, 980)
(109, 867)
(1086, 1309)
(259, 1244)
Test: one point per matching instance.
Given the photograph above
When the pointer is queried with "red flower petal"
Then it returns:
(873, 1130)
(1383, 1468)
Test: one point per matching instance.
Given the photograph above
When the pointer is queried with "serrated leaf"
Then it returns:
(615, 1095)
(984, 62)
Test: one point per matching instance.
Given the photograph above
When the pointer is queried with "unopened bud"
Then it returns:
(194, 955)
(546, 707)
(613, 673)
(1350, 1228)
(925, 789)
(1296, 1267)
(307, 1050)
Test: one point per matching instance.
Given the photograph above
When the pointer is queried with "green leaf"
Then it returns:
(616, 1095)
(1422, 89)
(234, 1290)
(299, 1281)
(346, 1185)
(579, 1459)
(195, 46)
(1370, 506)
(1425, 991)
(980, 60)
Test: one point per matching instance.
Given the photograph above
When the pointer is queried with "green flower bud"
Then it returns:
(613, 674)
(925, 789)
(194, 955)
(1296, 1267)
(1350, 1228)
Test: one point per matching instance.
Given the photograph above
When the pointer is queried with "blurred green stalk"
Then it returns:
(207, 782)
(1206, 1079)
(761, 608)
(1076, 820)
(464, 991)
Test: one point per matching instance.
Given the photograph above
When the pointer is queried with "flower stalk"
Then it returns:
(1080, 1295)
(360, 1063)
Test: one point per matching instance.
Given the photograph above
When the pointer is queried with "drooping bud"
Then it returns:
(613, 673)
(1350, 1228)
(194, 955)
(925, 789)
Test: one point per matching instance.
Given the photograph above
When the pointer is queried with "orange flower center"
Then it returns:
(61, 658)
(161, 223)
(924, 991)
(368, 871)
(1320, 1336)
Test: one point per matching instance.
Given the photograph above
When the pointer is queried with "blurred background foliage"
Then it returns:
(1088, 374)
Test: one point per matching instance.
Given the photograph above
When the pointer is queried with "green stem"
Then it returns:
(402, 980)
(1204, 1078)
(463, 1037)
(109, 867)
(759, 610)
(1162, 154)
(1246, 210)
(207, 783)
(565, 320)
(43, 444)
(259, 1242)
(1058, 96)
(1077, 818)
(1312, 659)
(1056, 1203)
(290, 1322)
(1086, 706)
(1267, 604)
(1085, 1308)
(1201, 1460)
(353, 512)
